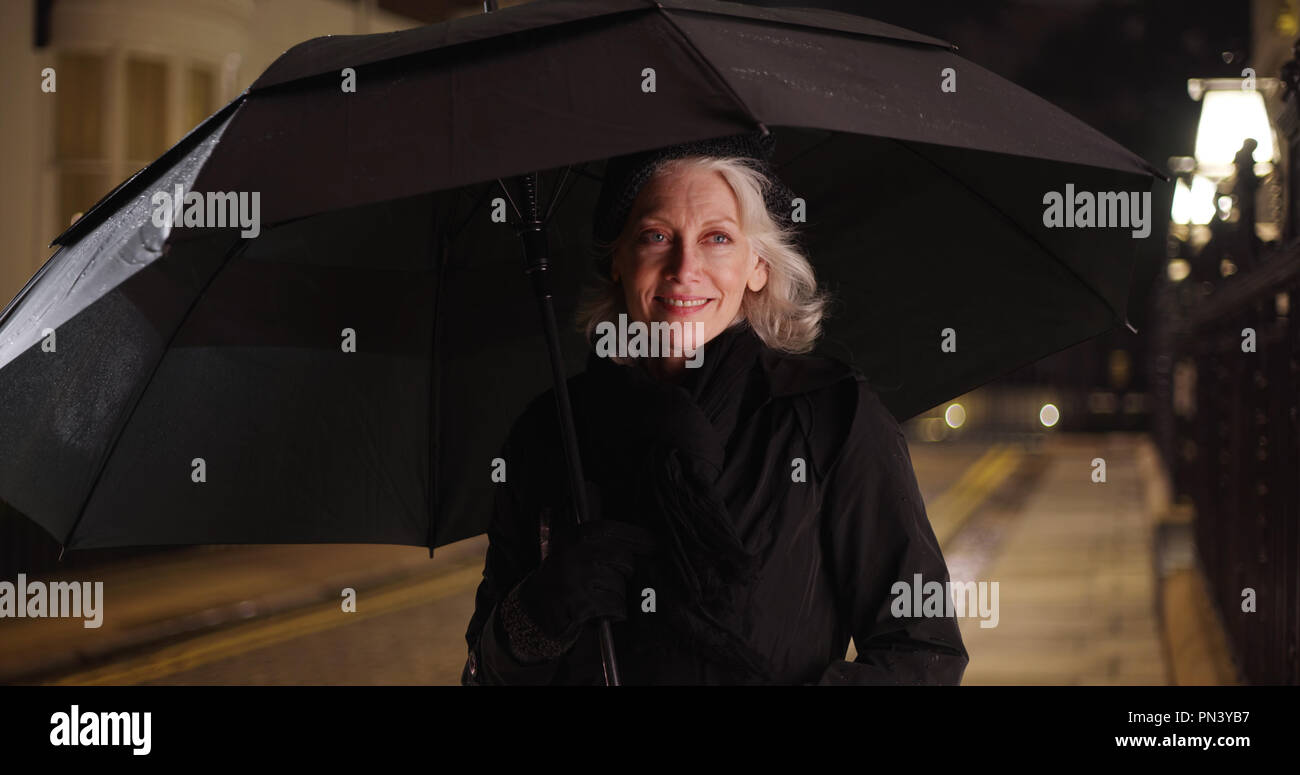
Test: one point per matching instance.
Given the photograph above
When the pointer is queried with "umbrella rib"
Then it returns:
(487, 189)
(236, 248)
(95, 215)
(789, 162)
(1025, 232)
(559, 27)
(690, 45)
(931, 42)
(509, 199)
(559, 190)
(563, 195)
(12, 306)
(589, 175)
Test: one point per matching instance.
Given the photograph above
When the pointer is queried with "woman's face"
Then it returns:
(687, 260)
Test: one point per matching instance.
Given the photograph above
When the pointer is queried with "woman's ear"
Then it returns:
(757, 276)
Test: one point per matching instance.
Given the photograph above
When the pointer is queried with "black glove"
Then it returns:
(578, 582)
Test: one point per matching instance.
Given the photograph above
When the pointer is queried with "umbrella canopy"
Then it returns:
(347, 374)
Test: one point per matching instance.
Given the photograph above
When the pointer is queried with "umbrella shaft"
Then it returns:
(536, 263)
(568, 434)
(570, 438)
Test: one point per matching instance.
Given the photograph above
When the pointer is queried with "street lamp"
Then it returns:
(1193, 204)
(1232, 110)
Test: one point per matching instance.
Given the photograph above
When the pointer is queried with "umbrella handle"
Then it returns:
(536, 265)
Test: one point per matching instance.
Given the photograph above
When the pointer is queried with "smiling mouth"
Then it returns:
(680, 303)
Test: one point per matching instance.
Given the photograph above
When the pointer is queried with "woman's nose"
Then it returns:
(685, 261)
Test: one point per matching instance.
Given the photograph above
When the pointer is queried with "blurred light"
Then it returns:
(1282, 304)
(933, 429)
(1195, 204)
(1178, 269)
(1227, 268)
(1184, 392)
(1049, 415)
(1119, 369)
(1200, 236)
(1225, 206)
(955, 415)
(1102, 402)
(1228, 117)
(1285, 23)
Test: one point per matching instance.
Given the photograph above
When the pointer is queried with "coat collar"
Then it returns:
(787, 374)
(790, 375)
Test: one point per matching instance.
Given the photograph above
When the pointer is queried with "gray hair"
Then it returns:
(786, 314)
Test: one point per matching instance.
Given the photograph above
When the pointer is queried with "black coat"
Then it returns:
(831, 546)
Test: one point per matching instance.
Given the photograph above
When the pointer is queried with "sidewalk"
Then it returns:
(159, 599)
(1077, 582)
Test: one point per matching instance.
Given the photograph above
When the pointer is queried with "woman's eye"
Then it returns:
(659, 238)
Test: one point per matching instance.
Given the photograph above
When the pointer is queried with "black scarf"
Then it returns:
(661, 446)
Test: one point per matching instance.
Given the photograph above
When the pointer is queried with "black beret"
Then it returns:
(625, 176)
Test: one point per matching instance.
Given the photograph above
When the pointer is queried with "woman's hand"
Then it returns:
(578, 582)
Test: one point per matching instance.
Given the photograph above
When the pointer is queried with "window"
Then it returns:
(81, 149)
(202, 97)
(146, 110)
(161, 99)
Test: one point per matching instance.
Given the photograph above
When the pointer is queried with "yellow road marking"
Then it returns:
(223, 645)
(950, 510)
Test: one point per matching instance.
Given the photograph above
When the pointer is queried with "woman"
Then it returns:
(757, 506)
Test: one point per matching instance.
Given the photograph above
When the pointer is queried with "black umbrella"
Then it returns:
(346, 374)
